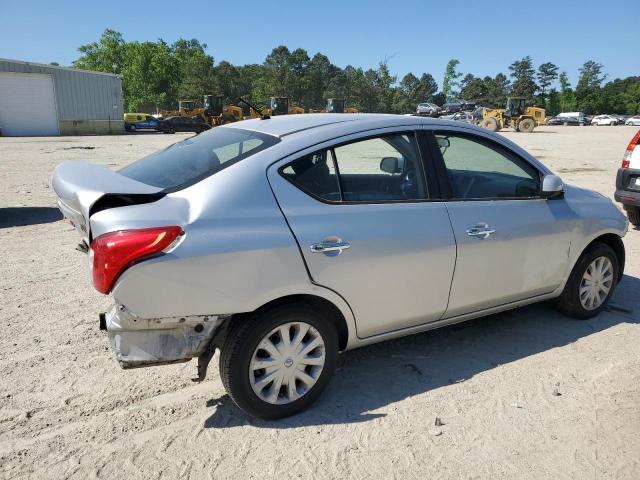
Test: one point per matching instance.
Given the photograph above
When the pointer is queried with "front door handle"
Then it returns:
(324, 247)
(481, 230)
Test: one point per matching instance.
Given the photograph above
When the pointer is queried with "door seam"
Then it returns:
(304, 261)
(455, 262)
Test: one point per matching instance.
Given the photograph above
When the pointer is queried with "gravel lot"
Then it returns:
(68, 411)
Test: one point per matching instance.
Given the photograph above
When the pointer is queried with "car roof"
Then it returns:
(304, 131)
(294, 125)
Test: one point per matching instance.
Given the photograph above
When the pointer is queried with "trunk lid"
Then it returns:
(81, 185)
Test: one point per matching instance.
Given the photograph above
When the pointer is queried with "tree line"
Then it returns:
(158, 74)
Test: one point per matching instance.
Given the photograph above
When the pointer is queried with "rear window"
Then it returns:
(189, 161)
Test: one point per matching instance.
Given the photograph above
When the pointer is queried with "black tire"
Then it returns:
(491, 124)
(527, 125)
(633, 213)
(246, 332)
(569, 301)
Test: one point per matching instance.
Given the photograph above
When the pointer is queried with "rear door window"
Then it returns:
(374, 170)
(194, 159)
(379, 169)
(316, 175)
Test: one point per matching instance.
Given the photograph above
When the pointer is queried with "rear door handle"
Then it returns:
(481, 230)
(324, 247)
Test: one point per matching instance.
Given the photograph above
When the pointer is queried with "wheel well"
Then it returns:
(615, 242)
(330, 311)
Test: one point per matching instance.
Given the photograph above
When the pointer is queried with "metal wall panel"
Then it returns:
(80, 95)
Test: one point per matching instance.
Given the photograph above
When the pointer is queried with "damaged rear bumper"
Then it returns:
(141, 342)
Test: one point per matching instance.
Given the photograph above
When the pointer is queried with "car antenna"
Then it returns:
(263, 116)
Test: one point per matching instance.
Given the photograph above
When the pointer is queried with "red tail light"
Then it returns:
(115, 251)
(626, 160)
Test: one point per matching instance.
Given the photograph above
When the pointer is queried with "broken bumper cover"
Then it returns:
(142, 342)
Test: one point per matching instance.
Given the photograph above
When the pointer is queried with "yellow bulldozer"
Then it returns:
(516, 115)
(217, 113)
(336, 105)
(277, 106)
(213, 112)
(185, 107)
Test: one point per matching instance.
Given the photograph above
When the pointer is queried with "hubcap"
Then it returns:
(287, 363)
(596, 283)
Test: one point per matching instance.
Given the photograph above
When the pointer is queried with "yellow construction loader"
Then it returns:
(336, 105)
(217, 113)
(277, 106)
(213, 112)
(517, 116)
(185, 107)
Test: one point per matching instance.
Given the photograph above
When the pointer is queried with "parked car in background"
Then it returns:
(139, 121)
(628, 181)
(182, 124)
(427, 109)
(566, 121)
(604, 120)
(635, 120)
(463, 117)
(457, 106)
(266, 238)
(571, 114)
(621, 118)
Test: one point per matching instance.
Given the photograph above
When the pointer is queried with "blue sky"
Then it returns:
(416, 36)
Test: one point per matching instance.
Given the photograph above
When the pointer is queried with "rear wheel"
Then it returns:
(276, 364)
(527, 125)
(490, 124)
(633, 213)
(590, 284)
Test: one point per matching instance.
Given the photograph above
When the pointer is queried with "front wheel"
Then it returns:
(490, 123)
(276, 364)
(590, 284)
(527, 125)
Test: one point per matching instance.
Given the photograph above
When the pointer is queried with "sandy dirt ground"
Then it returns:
(526, 394)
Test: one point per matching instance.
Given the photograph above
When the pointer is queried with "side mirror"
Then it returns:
(443, 142)
(390, 165)
(552, 187)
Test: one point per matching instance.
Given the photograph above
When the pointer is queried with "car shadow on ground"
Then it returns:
(23, 216)
(379, 375)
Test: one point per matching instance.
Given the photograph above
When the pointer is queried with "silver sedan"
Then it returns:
(285, 241)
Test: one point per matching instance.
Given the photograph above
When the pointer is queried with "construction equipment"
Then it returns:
(277, 106)
(186, 106)
(213, 112)
(336, 105)
(280, 106)
(516, 115)
(217, 113)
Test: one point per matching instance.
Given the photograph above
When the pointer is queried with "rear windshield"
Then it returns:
(189, 161)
